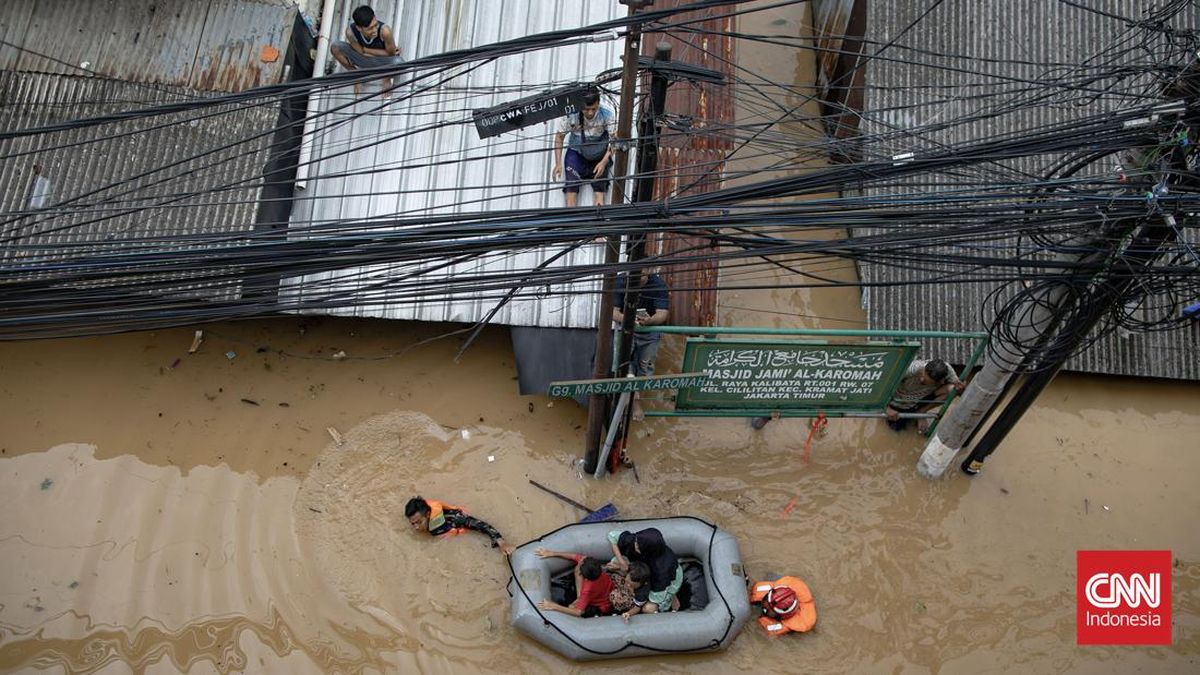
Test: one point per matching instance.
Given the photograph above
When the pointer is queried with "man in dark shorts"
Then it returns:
(588, 134)
(369, 44)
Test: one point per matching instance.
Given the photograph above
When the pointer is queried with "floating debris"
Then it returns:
(196, 340)
(333, 433)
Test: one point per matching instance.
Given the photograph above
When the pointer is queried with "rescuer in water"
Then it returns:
(441, 519)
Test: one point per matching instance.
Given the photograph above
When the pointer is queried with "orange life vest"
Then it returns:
(801, 620)
(437, 518)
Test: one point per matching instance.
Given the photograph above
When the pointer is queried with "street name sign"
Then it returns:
(625, 384)
(529, 111)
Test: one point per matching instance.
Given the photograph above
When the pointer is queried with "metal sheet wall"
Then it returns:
(402, 159)
(212, 46)
(1024, 34)
(109, 184)
(692, 161)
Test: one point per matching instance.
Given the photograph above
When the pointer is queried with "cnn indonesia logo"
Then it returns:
(1123, 597)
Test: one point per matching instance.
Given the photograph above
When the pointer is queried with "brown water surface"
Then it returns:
(130, 542)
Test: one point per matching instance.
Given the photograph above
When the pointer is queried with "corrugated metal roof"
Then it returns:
(393, 162)
(1030, 31)
(212, 45)
(107, 170)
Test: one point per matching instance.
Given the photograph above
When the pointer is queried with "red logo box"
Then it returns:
(1123, 597)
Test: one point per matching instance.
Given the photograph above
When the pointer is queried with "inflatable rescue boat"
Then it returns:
(718, 606)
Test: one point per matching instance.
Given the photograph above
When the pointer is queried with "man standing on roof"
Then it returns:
(589, 152)
(369, 44)
(925, 385)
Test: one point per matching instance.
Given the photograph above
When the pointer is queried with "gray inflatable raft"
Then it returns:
(709, 629)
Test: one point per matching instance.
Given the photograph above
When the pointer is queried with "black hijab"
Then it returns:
(659, 557)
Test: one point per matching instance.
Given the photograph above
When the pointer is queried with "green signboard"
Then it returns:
(625, 384)
(795, 375)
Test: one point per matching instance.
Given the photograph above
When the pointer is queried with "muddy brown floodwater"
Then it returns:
(154, 521)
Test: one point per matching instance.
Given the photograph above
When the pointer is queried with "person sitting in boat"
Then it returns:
(627, 584)
(666, 574)
(787, 606)
(441, 519)
(592, 586)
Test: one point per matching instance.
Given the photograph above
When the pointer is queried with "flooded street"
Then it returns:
(227, 536)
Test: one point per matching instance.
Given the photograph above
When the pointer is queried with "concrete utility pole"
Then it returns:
(1105, 293)
(1043, 316)
(602, 363)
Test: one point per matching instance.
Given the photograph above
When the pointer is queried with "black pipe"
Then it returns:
(279, 175)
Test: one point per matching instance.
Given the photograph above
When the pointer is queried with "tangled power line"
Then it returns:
(1016, 211)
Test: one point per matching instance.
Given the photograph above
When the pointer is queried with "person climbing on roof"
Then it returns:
(369, 44)
(666, 574)
(787, 606)
(592, 586)
(441, 519)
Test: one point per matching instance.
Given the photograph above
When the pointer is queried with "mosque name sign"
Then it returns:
(796, 375)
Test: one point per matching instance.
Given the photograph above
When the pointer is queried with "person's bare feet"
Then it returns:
(638, 413)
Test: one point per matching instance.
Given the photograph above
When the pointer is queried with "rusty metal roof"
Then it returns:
(693, 162)
(65, 60)
(116, 180)
(1029, 31)
(209, 45)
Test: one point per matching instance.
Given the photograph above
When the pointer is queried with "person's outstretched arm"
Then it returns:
(547, 553)
(555, 607)
(473, 523)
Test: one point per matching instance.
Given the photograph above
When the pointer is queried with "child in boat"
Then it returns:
(625, 588)
(592, 586)
(666, 574)
(440, 519)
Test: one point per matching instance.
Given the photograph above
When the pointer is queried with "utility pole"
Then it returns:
(1105, 293)
(647, 166)
(1055, 342)
(602, 362)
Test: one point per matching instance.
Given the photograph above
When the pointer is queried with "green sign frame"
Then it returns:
(793, 375)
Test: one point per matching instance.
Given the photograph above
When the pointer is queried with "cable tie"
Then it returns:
(1140, 122)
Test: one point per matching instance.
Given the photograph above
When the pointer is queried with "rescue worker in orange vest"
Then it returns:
(441, 519)
(787, 606)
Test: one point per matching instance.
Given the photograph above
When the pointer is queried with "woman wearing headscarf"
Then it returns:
(666, 574)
